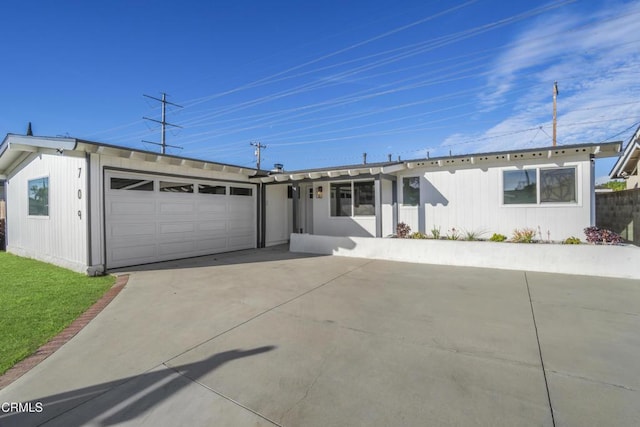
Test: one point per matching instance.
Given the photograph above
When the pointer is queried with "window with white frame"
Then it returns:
(411, 191)
(38, 193)
(352, 198)
(539, 186)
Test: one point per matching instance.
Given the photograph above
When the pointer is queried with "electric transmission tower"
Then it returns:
(163, 122)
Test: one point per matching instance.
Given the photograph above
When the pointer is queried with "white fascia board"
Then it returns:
(353, 172)
(15, 141)
(393, 168)
(626, 155)
(281, 178)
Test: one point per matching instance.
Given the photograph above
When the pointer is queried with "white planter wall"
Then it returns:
(585, 259)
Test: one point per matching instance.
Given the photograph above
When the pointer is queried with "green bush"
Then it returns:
(418, 235)
(498, 237)
(472, 235)
(572, 241)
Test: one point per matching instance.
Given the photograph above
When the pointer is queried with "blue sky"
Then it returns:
(322, 82)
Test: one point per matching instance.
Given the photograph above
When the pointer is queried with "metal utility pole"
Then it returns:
(555, 95)
(163, 122)
(258, 152)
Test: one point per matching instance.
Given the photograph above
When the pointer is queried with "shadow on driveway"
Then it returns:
(125, 399)
(274, 253)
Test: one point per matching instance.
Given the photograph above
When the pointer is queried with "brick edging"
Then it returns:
(47, 349)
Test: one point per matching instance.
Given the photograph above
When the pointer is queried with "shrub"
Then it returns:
(403, 230)
(602, 236)
(453, 234)
(472, 235)
(523, 235)
(435, 232)
(498, 237)
(418, 235)
(572, 241)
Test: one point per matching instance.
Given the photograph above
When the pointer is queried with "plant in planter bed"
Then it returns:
(403, 230)
(523, 235)
(602, 236)
(498, 237)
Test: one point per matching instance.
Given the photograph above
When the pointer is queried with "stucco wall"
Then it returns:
(470, 199)
(60, 237)
(619, 211)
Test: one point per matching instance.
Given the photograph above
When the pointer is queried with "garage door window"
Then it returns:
(212, 189)
(131, 184)
(240, 191)
(175, 187)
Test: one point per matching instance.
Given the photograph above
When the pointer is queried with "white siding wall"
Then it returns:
(61, 237)
(277, 215)
(470, 199)
(387, 208)
(324, 224)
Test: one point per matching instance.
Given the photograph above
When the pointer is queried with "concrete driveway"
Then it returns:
(266, 337)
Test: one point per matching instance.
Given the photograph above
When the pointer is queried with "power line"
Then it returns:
(258, 152)
(163, 122)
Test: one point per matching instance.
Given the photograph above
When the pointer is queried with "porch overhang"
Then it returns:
(312, 175)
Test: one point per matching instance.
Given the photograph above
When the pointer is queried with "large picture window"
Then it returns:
(353, 199)
(558, 185)
(539, 186)
(411, 191)
(520, 187)
(38, 192)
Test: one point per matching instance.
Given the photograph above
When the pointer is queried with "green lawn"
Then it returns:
(38, 300)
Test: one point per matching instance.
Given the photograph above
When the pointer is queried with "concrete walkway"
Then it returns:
(268, 338)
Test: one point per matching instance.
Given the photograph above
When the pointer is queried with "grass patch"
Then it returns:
(38, 301)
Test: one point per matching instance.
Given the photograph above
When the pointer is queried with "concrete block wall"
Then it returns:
(619, 211)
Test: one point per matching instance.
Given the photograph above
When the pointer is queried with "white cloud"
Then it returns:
(594, 56)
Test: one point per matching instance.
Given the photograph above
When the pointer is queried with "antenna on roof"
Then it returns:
(29, 131)
(364, 158)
